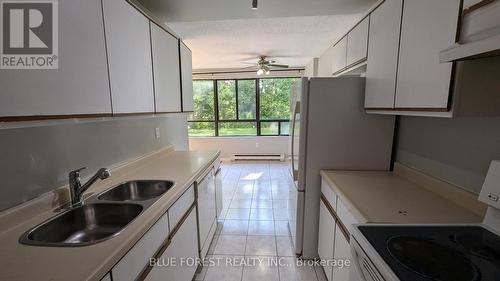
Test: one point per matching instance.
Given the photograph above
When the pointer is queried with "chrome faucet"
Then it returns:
(77, 189)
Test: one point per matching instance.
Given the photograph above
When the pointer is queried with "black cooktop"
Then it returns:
(437, 253)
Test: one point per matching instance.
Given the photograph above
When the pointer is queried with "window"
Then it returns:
(242, 107)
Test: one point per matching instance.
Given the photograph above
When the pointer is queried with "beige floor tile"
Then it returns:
(261, 227)
(261, 214)
(262, 204)
(234, 227)
(281, 228)
(230, 245)
(261, 271)
(261, 246)
(224, 269)
(238, 214)
(285, 246)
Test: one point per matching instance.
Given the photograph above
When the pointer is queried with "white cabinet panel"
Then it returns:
(182, 249)
(357, 42)
(186, 78)
(342, 252)
(166, 71)
(180, 207)
(326, 237)
(79, 86)
(132, 264)
(207, 207)
(345, 216)
(385, 24)
(428, 27)
(339, 54)
(327, 191)
(129, 56)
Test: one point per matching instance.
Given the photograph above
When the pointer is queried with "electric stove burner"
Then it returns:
(486, 246)
(431, 260)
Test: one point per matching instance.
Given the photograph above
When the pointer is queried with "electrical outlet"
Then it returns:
(157, 133)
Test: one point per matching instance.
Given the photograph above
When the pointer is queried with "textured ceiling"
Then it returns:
(208, 10)
(223, 33)
(291, 40)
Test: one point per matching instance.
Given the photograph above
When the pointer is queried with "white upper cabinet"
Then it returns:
(339, 54)
(428, 26)
(166, 71)
(186, 78)
(357, 42)
(129, 57)
(385, 24)
(80, 85)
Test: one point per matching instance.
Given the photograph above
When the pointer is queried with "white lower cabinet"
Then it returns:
(326, 238)
(342, 252)
(207, 212)
(178, 262)
(134, 262)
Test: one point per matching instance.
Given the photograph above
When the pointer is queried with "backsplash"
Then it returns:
(35, 160)
(457, 150)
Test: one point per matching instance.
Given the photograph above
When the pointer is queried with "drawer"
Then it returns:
(180, 207)
(132, 264)
(329, 194)
(345, 216)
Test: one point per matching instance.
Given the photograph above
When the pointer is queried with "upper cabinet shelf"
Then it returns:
(108, 66)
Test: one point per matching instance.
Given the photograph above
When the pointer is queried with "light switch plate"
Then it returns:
(490, 192)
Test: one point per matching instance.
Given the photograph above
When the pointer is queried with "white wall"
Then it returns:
(311, 69)
(231, 145)
(325, 63)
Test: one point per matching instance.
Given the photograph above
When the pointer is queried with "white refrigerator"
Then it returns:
(330, 130)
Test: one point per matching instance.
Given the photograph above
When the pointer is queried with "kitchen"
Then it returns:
(363, 150)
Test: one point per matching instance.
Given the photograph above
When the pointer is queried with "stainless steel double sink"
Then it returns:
(100, 218)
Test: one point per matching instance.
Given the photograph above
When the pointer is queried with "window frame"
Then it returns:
(256, 120)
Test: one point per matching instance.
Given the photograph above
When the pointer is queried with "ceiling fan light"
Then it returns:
(260, 71)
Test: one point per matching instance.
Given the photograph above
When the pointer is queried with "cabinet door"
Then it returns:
(131, 265)
(186, 78)
(342, 252)
(326, 237)
(357, 42)
(129, 56)
(428, 27)
(182, 250)
(79, 86)
(339, 54)
(166, 71)
(385, 25)
(207, 207)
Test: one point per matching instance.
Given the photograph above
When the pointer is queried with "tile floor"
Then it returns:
(258, 197)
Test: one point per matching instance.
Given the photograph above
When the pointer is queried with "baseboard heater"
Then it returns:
(268, 156)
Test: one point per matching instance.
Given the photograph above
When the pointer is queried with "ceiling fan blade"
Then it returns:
(249, 67)
(279, 65)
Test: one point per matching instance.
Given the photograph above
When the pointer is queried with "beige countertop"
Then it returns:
(33, 263)
(392, 197)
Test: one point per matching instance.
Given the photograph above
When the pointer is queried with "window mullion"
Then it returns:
(257, 105)
(236, 97)
(216, 107)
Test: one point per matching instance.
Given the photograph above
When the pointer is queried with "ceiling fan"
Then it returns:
(264, 65)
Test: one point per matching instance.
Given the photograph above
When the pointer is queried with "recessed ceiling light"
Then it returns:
(254, 4)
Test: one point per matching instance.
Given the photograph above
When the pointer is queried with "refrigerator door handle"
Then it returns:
(295, 173)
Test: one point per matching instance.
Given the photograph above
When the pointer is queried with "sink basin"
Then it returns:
(137, 190)
(84, 225)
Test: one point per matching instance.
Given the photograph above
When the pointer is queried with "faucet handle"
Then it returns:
(76, 173)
